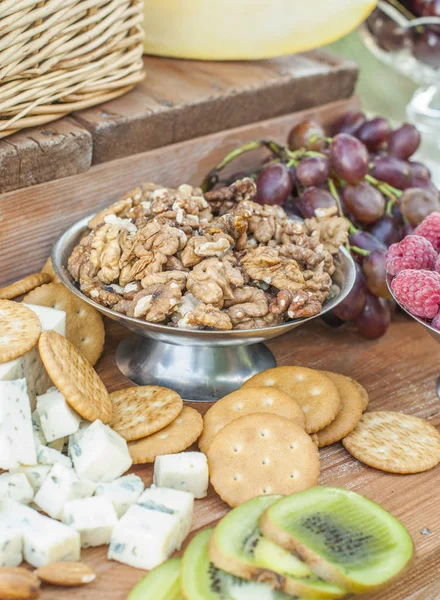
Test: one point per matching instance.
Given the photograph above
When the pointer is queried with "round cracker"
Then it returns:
(363, 393)
(142, 410)
(247, 401)
(84, 326)
(20, 329)
(23, 286)
(261, 454)
(175, 437)
(75, 378)
(394, 442)
(316, 394)
(349, 414)
(48, 268)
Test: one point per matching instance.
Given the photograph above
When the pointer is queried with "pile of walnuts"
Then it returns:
(214, 261)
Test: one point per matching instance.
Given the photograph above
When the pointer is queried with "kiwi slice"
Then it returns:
(344, 537)
(162, 583)
(238, 547)
(201, 580)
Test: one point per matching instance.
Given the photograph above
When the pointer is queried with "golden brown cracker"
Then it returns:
(142, 410)
(394, 442)
(84, 326)
(261, 454)
(20, 329)
(244, 402)
(75, 378)
(363, 393)
(349, 413)
(315, 393)
(23, 286)
(174, 438)
(48, 268)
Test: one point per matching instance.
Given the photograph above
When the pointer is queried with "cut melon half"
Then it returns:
(343, 537)
(247, 29)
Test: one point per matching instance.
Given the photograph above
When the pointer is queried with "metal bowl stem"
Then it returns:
(199, 365)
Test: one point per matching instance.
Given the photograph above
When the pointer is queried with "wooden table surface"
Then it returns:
(399, 372)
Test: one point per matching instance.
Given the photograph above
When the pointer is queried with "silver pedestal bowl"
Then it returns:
(199, 365)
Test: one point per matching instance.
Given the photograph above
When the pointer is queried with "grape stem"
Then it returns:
(334, 192)
(360, 251)
(389, 208)
(387, 190)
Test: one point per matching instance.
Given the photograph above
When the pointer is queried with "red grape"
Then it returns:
(386, 230)
(291, 208)
(364, 202)
(393, 171)
(349, 158)
(416, 204)
(313, 171)
(432, 8)
(308, 134)
(419, 170)
(417, 7)
(427, 48)
(314, 198)
(376, 274)
(352, 305)
(332, 320)
(350, 122)
(274, 184)
(366, 241)
(403, 142)
(424, 184)
(374, 133)
(374, 319)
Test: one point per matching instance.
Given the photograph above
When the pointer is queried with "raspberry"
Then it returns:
(413, 252)
(437, 265)
(436, 321)
(418, 292)
(429, 228)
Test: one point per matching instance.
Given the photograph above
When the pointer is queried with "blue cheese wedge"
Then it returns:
(17, 444)
(99, 453)
(122, 492)
(44, 540)
(187, 471)
(50, 456)
(35, 474)
(60, 486)
(17, 487)
(94, 519)
(173, 502)
(11, 547)
(29, 366)
(57, 418)
(39, 437)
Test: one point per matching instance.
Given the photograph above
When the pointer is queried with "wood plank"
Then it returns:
(389, 368)
(43, 212)
(60, 149)
(180, 100)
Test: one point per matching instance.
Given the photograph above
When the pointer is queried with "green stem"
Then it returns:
(387, 190)
(389, 208)
(360, 251)
(334, 192)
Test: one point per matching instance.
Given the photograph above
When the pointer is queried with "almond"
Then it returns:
(67, 574)
(18, 584)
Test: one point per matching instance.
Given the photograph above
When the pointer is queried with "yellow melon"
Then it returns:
(247, 29)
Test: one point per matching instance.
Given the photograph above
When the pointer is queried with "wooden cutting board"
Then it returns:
(390, 369)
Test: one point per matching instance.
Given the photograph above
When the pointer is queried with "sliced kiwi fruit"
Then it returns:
(344, 537)
(162, 583)
(238, 547)
(201, 580)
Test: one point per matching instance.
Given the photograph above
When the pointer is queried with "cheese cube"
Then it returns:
(57, 418)
(29, 366)
(44, 540)
(94, 518)
(50, 456)
(171, 502)
(61, 485)
(123, 492)
(11, 547)
(144, 538)
(39, 437)
(187, 471)
(17, 487)
(99, 453)
(35, 474)
(17, 444)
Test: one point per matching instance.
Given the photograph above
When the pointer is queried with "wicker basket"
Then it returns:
(58, 56)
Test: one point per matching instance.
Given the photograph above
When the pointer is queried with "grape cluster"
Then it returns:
(365, 171)
(422, 41)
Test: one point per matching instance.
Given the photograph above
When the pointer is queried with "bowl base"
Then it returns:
(197, 373)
